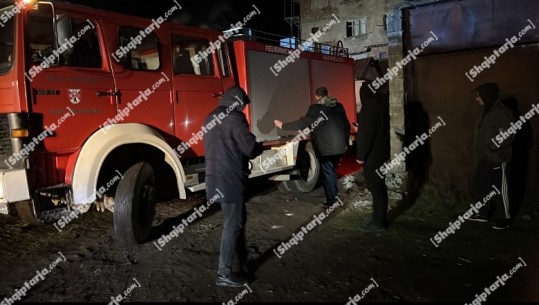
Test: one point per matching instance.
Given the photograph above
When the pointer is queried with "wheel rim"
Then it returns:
(306, 166)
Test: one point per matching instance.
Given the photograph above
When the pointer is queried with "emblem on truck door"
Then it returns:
(74, 96)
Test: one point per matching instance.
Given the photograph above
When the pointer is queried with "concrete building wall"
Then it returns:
(316, 13)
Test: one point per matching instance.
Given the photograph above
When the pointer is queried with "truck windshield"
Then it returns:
(7, 22)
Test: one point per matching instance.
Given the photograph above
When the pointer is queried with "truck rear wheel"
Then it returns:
(134, 204)
(309, 169)
(27, 213)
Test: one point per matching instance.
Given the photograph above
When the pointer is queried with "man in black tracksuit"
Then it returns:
(228, 147)
(330, 131)
(493, 156)
(373, 152)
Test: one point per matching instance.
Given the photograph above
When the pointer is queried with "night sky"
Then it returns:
(212, 14)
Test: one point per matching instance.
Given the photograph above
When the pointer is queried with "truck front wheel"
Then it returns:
(134, 204)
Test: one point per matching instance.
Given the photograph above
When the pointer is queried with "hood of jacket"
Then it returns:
(366, 95)
(327, 101)
(236, 98)
(489, 93)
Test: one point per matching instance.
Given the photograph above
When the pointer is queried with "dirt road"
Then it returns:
(335, 260)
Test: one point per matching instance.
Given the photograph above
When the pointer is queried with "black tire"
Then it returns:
(27, 213)
(309, 169)
(134, 204)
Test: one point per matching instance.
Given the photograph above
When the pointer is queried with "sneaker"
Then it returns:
(501, 225)
(527, 217)
(230, 281)
(328, 203)
(479, 218)
(373, 228)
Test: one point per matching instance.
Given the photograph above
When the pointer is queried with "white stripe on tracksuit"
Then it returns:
(505, 196)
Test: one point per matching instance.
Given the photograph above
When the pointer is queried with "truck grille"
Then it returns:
(5, 140)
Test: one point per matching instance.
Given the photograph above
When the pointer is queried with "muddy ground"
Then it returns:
(335, 260)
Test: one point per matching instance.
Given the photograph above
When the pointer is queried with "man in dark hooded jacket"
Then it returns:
(493, 157)
(330, 131)
(373, 152)
(228, 147)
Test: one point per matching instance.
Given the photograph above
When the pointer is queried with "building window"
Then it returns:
(385, 22)
(356, 27)
(319, 4)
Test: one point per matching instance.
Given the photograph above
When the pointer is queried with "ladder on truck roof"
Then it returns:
(249, 34)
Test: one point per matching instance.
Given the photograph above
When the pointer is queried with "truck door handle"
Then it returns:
(108, 93)
(217, 94)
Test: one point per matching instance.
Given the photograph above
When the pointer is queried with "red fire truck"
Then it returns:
(98, 107)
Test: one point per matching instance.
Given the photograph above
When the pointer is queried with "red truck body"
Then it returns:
(117, 95)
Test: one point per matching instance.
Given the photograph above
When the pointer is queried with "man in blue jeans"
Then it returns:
(330, 131)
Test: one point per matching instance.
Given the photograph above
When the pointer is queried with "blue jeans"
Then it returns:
(328, 167)
(233, 244)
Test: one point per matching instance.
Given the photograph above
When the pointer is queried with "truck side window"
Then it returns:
(189, 56)
(223, 62)
(136, 52)
(86, 51)
(77, 45)
(6, 43)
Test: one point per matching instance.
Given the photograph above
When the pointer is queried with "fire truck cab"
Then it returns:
(102, 107)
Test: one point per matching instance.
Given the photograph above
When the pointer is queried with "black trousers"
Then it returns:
(233, 246)
(328, 167)
(491, 177)
(377, 186)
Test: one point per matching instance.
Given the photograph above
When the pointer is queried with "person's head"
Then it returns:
(366, 94)
(321, 92)
(487, 95)
(236, 98)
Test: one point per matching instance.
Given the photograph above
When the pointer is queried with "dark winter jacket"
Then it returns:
(328, 126)
(228, 147)
(496, 118)
(373, 130)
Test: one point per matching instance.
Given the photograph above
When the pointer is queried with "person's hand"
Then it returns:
(360, 162)
(278, 124)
